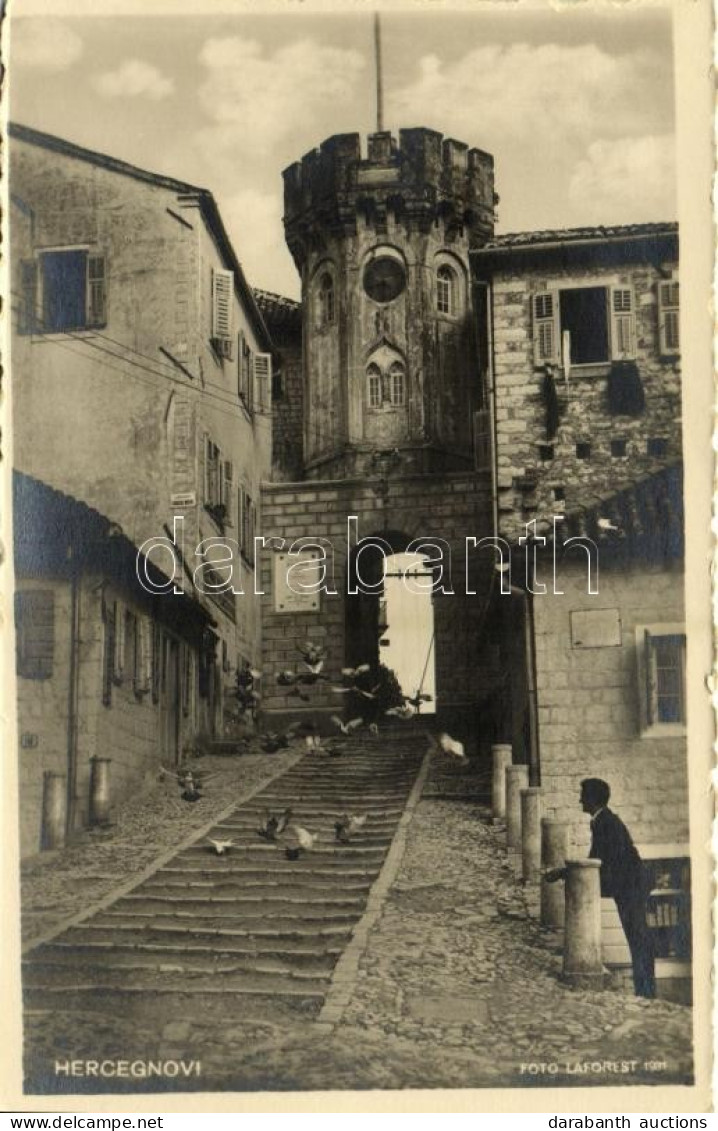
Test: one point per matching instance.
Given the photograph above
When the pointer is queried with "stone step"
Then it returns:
(279, 869)
(323, 850)
(192, 960)
(275, 902)
(105, 939)
(172, 977)
(222, 927)
(226, 913)
(260, 889)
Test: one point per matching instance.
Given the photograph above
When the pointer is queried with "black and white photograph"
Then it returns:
(356, 518)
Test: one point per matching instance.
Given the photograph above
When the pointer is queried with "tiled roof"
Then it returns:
(511, 240)
(277, 308)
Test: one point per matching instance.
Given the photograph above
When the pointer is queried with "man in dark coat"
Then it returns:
(622, 879)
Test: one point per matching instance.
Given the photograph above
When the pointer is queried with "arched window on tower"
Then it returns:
(396, 384)
(445, 290)
(327, 307)
(373, 374)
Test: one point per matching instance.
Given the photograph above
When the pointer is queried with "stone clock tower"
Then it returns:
(382, 245)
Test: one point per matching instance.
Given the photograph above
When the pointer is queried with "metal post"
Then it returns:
(554, 849)
(379, 80)
(582, 965)
(501, 755)
(99, 791)
(517, 778)
(531, 834)
(54, 810)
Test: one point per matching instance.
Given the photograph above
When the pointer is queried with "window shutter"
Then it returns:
(240, 365)
(27, 319)
(143, 665)
(222, 292)
(108, 667)
(650, 681)
(228, 499)
(546, 328)
(156, 661)
(262, 380)
(205, 467)
(623, 323)
(118, 668)
(668, 317)
(96, 291)
(35, 633)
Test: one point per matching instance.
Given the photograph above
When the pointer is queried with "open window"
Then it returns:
(584, 325)
(61, 291)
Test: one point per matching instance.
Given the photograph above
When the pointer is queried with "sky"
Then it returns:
(575, 105)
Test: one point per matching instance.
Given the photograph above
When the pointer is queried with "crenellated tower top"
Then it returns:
(422, 179)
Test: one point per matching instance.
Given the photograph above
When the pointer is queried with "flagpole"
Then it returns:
(379, 85)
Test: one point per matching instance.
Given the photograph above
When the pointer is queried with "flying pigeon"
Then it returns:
(304, 842)
(452, 746)
(347, 728)
(406, 711)
(312, 654)
(274, 826)
(352, 673)
(417, 699)
(347, 825)
(220, 846)
(606, 524)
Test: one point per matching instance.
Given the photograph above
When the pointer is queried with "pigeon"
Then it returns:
(347, 825)
(352, 673)
(304, 842)
(274, 826)
(190, 792)
(368, 694)
(373, 729)
(276, 740)
(312, 654)
(220, 846)
(406, 711)
(607, 525)
(417, 699)
(452, 746)
(347, 728)
(287, 678)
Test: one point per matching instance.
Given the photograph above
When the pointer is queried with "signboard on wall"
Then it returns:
(595, 628)
(295, 580)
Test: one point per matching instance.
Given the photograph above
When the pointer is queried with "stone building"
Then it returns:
(142, 380)
(379, 424)
(585, 383)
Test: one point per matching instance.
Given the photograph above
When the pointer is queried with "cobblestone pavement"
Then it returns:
(457, 987)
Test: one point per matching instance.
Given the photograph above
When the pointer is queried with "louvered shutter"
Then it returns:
(96, 291)
(623, 323)
(108, 667)
(240, 365)
(35, 633)
(546, 328)
(118, 669)
(27, 317)
(143, 665)
(262, 380)
(222, 291)
(668, 317)
(228, 490)
(156, 661)
(650, 678)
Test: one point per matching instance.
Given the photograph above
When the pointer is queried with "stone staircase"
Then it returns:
(250, 922)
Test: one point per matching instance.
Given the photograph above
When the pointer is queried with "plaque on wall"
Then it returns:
(595, 628)
(296, 579)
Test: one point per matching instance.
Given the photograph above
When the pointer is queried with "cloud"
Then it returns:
(46, 44)
(134, 79)
(641, 171)
(543, 97)
(257, 101)
(254, 222)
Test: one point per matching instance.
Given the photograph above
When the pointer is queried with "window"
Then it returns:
(396, 384)
(245, 371)
(130, 629)
(35, 633)
(445, 290)
(584, 325)
(326, 300)
(222, 298)
(247, 525)
(661, 668)
(545, 452)
(61, 291)
(218, 479)
(262, 376)
(656, 446)
(583, 451)
(374, 382)
(668, 317)
(618, 448)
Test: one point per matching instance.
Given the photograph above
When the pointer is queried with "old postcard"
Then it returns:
(356, 517)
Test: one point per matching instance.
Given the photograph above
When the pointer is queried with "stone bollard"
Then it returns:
(517, 778)
(554, 848)
(501, 755)
(582, 965)
(54, 810)
(531, 834)
(99, 791)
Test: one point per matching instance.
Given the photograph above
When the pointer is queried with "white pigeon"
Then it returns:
(452, 746)
(347, 728)
(406, 711)
(606, 524)
(304, 837)
(220, 846)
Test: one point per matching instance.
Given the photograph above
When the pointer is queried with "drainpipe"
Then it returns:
(531, 695)
(491, 405)
(73, 690)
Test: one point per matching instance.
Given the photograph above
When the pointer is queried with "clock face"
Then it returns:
(384, 278)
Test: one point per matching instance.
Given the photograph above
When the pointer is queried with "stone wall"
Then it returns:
(539, 476)
(589, 711)
(453, 507)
